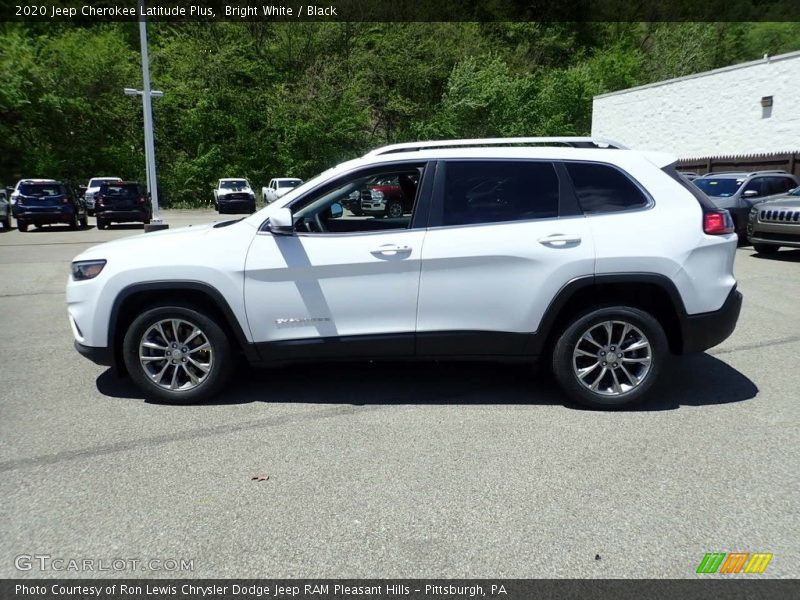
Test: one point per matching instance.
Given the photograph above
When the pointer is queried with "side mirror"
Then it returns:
(281, 222)
(750, 194)
(336, 211)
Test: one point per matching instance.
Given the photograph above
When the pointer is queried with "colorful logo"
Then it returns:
(734, 562)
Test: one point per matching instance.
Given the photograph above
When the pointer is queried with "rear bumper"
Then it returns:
(100, 356)
(705, 330)
(119, 216)
(44, 216)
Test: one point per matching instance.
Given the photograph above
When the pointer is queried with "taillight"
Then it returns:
(717, 222)
(141, 199)
(99, 200)
(66, 200)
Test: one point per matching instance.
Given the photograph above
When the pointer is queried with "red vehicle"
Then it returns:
(392, 197)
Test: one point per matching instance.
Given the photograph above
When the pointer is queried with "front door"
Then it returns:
(344, 284)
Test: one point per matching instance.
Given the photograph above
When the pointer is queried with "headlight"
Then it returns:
(377, 195)
(87, 269)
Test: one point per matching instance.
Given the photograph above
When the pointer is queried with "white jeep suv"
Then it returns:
(599, 259)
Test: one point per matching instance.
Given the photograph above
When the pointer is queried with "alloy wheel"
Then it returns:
(612, 358)
(176, 354)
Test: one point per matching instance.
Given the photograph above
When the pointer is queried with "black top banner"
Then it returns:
(88, 11)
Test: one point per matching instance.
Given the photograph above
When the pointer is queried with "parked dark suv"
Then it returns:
(42, 203)
(122, 202)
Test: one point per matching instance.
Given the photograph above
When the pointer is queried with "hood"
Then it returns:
(149, 243)
(786, 201)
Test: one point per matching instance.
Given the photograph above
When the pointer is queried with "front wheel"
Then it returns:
(177, 354)
(7, 222)
(610, 357)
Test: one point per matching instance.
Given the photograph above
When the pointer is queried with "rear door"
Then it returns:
(120, 196)
(505, 237)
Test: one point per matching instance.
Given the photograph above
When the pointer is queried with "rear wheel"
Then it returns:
(101, 224)
(177, 354)
(610, 357)
(766, 248)
(73, 222)
(7, 222)
(84, 221)
(22, 226)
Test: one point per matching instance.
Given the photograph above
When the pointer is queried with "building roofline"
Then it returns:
(752, 63)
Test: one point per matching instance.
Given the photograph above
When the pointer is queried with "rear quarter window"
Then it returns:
(602, 188)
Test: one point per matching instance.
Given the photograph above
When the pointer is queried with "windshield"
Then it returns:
(795, 191)
(98, 181)
(236, 184)
(42, 189)
(721, 187)
(290, 183)
(129, 189)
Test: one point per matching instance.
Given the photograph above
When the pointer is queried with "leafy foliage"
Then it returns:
(263, 100)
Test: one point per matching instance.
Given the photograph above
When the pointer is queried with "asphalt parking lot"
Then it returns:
(394, 470)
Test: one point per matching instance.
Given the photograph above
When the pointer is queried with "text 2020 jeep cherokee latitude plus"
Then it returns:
(603, 260)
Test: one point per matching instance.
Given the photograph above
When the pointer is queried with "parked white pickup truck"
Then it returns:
(278, 187)
(234, 195)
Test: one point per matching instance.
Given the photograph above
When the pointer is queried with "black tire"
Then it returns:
(394, 209)
(90, 212)
(73, 222)
(565, 367)
(22, 226)
(220, 348)
(101, 224)
(7, 222)
(84, 221)
(766, 248)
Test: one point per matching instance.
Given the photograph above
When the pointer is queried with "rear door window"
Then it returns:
(602, 188)
(499, 191)
(42, 189)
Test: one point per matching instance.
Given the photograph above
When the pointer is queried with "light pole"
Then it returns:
(147, 95)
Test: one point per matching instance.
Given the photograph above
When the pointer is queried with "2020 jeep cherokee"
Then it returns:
(600, 259)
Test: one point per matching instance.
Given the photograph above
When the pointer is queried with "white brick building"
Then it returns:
(725, 112)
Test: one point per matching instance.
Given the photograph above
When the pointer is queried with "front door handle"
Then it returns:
(391, 250)
(560, 240)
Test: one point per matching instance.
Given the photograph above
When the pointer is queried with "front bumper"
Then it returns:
(705, 330)
(99, 356)
(236, 204)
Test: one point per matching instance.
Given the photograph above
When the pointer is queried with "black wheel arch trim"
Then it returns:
(697, 331)
(248, 348)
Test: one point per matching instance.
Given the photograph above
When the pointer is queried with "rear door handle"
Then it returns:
(391, 250)
(560, 240)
